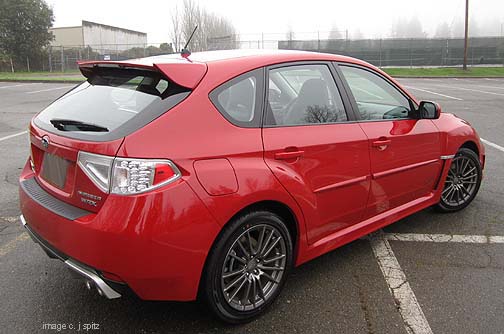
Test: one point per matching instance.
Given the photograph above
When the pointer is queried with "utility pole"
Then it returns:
(466, 34)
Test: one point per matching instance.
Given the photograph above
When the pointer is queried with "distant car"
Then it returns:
(214, 174)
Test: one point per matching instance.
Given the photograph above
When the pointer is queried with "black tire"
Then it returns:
(221, 262)
(462, 182)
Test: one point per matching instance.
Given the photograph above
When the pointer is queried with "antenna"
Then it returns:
(185, 52)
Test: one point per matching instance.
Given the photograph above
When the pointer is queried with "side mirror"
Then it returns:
(429, 110)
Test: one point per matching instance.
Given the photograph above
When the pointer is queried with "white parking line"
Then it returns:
(411, 312)
(21, 85)
(474, 90)
(470, 239)
(494, 87)
(12, 244)
(489, 143)
(12, 136)
(48, 90)
(428, 91)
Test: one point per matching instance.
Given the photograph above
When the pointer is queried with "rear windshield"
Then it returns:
(111, 104)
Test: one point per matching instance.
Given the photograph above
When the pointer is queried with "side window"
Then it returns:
(376, 98)
(238, 99)
(303, 94)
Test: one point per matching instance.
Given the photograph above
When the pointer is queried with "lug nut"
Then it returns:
(88, 285)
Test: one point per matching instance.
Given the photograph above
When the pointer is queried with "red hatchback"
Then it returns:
(213, 175)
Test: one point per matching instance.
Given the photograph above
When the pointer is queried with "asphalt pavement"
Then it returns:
(456, 284)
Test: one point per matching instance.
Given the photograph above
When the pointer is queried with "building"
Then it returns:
(100, 37)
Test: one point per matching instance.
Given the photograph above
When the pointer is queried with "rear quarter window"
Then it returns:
(239, 100)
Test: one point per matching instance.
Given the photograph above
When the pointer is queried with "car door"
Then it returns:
(405, 151)
(314, 149)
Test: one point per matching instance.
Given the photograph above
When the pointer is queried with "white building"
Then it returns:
(100, 37)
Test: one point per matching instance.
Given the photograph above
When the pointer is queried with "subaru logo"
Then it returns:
(45, 142)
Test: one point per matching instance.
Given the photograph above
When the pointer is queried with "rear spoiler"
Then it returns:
(184, 73)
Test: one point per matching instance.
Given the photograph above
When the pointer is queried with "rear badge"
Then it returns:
(45, 141)
(89, 199)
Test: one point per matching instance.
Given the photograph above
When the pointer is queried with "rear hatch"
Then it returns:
(93, 119)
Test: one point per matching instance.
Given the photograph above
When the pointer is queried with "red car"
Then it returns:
(214, 174)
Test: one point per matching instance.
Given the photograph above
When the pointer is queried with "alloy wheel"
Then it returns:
(461, 181)
(253, 268)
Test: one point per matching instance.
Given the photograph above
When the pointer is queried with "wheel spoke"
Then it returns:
(274, 258)
(470, 171)
(448, 188)
(465, 190)
(226, 289)
(261, 239)
(237, 290)
(238, 258)
(270, 268)
(271, 247)
(243, 249)
(247, 292)
(269, 278)
(249, 239)
(233, 273)
(266, 242)
(261, 290)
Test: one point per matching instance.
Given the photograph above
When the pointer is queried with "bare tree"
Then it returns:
(214, 31)
(408, 29)
(335, 33)
(176, 31)
(443, 31)
(290, 35)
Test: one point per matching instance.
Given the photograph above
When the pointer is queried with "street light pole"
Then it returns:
(466, 34)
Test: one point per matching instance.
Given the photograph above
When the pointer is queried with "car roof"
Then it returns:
(189, 70)
(267, 55)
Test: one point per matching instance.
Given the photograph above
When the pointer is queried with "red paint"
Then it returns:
(340, 181)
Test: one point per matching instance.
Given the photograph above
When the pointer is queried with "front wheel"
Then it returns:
(462, 182)
(248, 266)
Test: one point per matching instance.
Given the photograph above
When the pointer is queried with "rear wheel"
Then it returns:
(462, 182)
(248, 266)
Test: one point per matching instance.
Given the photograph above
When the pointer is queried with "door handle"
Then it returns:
(381, 143)
(289, 155)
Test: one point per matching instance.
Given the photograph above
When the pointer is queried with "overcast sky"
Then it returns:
(373, 18)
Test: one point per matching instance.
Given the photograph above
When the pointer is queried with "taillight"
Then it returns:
(97, 168)
(127, 176)
(133, 176)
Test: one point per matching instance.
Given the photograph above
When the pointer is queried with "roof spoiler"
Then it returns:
(185, 74)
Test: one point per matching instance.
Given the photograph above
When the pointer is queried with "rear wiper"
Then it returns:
(71, 125)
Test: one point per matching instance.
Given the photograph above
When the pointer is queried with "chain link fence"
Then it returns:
(409, 52)
(380, 52)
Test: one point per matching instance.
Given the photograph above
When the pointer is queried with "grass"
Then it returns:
(75, 76)
(447, 72)
(69, 76)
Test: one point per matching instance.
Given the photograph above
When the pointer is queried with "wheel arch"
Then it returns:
(472, 146)
(274, 206)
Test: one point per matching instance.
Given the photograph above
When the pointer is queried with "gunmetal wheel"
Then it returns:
(248, 266)
(462, 182)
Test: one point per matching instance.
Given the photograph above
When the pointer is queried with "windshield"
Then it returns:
(108, 100)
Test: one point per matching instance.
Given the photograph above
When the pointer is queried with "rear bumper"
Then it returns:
(156, 243)
(81, 269)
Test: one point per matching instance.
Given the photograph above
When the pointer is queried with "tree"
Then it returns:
(335, 33)
(408, 29)
(24, 28)
(443, 31)
(214, 31)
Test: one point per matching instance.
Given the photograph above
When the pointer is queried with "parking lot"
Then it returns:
(428, 273)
